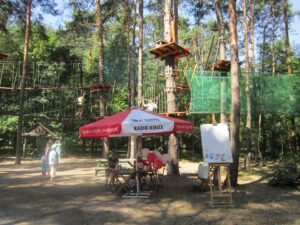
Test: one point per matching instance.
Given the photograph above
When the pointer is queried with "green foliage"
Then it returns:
(288, 171)
(8, 127)
(191, 150)
(119, 101)
(8, 124)
(39, 39)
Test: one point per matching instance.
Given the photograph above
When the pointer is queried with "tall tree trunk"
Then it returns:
(195, 48)
(100, 43)
(175, 8)
(201, 48)
(289, 62)
(140, 64)
(273, 37)
(131, 72)
(259, 138)
(23, 84)
(247, 69)
(167, 20)
(235, 120)
(140, 67)
(252, 40)
(129, 49)
(222, 52)
(263, 50)
(133, 58)
(221, 28)
(287, 40)
(102, 102)
(175, 38)
(129, 65)
(247, 88)
(170, 88)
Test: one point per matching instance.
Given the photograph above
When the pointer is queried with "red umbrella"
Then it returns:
(134, 122)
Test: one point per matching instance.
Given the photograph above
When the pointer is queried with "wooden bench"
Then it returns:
(101, 164)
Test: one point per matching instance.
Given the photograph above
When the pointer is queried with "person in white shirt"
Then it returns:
(150, 106)
(53, 161)
(54, 145)
(58, 149)
(80, 103)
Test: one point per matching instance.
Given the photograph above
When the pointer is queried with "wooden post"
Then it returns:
(24, 147)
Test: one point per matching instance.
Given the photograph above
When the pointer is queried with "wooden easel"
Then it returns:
(224, 195)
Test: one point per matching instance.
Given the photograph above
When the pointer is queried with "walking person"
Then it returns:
(44, 165)
(47, 151)
(54, 146)
(58, 149)
(53, 161)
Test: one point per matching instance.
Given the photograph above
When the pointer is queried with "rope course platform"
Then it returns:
(3, 56)
(52, 90)
(95, 87)
(182, 87)
(221, 65)
(98, 117)
(45, 88)
(183, 113)
(165, 50)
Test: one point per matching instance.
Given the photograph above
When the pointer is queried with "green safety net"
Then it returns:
(211, 93)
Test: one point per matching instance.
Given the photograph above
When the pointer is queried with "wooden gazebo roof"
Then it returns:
(39, 130)
(3, 56)
(221, 65)
(169, 49)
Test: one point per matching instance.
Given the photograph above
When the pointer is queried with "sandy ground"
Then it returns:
(77, 196)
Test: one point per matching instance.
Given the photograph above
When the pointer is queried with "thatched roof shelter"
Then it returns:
(39, 130)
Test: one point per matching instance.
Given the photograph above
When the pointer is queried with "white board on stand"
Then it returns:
(216, 143)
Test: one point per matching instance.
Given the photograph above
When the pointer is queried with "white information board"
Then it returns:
(216, 143)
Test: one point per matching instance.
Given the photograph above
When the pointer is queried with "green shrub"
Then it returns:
(287, 173)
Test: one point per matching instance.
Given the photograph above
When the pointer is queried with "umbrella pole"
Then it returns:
(136, 168)
(137, 178)
(138, 193)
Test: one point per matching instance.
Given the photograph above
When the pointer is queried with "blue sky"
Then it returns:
(56, 21)
(294, 29)
(295, 26)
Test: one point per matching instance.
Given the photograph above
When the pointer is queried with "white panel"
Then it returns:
(140, 122)
(203, 171)
(215, 143)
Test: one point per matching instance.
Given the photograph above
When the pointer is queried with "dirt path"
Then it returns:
(79, 197)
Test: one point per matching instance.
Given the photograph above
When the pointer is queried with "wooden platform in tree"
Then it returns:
(183, 113)
(221, 65)
(46, 88)
(166, 50)
(182, 87)
(98, 117)
(3, 56)
(95, 87)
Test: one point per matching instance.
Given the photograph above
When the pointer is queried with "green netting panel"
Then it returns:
(211, 92)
